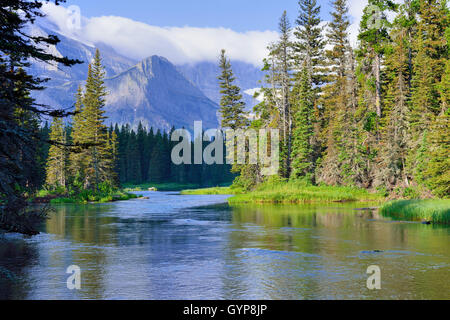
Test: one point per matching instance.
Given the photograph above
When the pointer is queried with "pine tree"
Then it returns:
(438, 169)
(374, 34)
(78, 160)
(232, 107)
(390, 171)
(94, 132)
(429, 66)
(57, 157)
(308, 49)
(279, 79)
(309, 44)
(339, 102)
(133, 160)
(157, 163)
(302, 153)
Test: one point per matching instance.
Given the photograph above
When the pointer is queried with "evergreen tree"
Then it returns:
(94, 133)
(57, 157)
(302, 153)
(429, 65)
(133, 160)
(18, 143)
(438, 169)
(339, 165)
(232, 107)
(390, 171)
(309, 44)
(78, 160)
(279, 79)
(157, 163)
(308, 49)
(374, 34)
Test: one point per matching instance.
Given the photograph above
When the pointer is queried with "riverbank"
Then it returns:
(432, 211)
(292, 192)
(83, 197)
(213, 191)
(171, 186)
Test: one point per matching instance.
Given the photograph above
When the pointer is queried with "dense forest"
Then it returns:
(90, 156)
(141, 157)
(375, 116)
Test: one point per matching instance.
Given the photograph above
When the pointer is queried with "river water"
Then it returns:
(197, 247)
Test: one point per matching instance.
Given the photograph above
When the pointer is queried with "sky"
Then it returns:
(184, 31)
(239, 15)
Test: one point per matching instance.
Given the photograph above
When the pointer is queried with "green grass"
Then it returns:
(85, 196)
(296, 192)
(171, 186)
(213, 191)
(436, 211)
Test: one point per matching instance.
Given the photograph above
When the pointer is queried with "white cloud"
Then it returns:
(178, 44)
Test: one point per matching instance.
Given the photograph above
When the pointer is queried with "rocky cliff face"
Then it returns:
(154, 92)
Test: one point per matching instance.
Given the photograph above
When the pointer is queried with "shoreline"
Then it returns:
(428, 211)
(84, 198)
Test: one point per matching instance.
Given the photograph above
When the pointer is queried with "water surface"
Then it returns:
(197, 247)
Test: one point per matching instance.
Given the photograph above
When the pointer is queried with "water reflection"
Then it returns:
(173, 247)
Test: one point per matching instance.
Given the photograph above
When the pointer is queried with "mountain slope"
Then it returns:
(155, 93)
(204, 76)
(152, 91)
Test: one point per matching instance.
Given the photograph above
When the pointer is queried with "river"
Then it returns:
(197, 247)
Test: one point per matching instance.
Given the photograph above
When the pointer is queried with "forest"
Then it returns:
(374, 117)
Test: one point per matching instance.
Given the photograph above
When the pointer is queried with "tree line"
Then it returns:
(111, 157)
(375, 116)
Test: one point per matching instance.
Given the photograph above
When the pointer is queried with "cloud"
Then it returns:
(178, 44)
(356, 8)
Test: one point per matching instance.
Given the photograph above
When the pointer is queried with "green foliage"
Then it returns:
(435, 211)
(57, 156)
(302, 151)
(20, 165)
(214, 191)
(302, 192)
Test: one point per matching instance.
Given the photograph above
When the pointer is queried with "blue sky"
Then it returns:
(185, 31)
(239, 15)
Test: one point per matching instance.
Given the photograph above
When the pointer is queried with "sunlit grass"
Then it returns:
(298, 192)
(170, 186)
(87, 196)
(436, 211)
(213, 191)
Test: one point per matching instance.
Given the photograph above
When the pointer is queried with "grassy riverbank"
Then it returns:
(170, 186)
(85, 196)
(435, 211)
(213, 191)
(294, 192)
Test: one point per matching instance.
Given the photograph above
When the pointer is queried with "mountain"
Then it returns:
(155, 93)
(113, 62)
(204, 76)
(152, 91)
